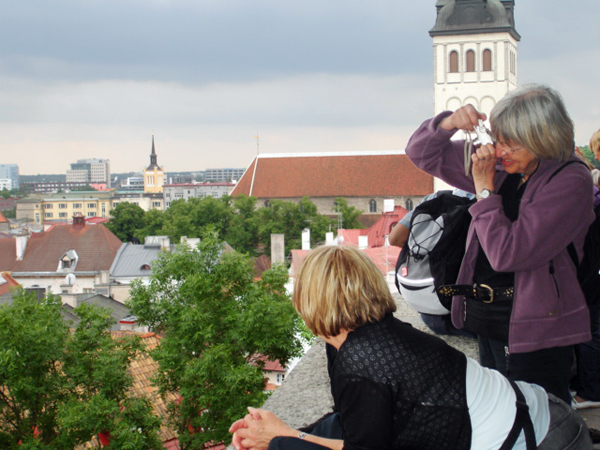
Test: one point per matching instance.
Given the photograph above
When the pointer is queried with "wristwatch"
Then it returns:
(485, 193)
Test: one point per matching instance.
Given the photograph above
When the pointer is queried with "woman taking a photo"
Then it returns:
(395, 387)
(519, 290)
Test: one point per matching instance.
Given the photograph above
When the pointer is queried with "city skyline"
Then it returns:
(98, 79)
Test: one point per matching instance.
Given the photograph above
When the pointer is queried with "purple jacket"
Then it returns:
(549, 309)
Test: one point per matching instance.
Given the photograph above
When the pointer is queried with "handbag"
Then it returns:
(486, 310)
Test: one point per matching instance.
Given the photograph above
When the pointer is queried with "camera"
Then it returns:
(484, 136)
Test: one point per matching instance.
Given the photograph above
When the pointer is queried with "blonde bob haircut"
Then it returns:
(340, 288)
(595, 143)
(534, 116)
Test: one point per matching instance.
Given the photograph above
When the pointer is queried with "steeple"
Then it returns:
(153, 163)
(461, 17)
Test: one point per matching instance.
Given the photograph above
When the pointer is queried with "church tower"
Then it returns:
(154, 176)
(474, 53)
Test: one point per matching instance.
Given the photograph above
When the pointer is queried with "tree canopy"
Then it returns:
(60, 388)
(219, 326)
(237, 220)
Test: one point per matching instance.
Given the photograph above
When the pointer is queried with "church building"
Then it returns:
(154, 175)
(474, 53)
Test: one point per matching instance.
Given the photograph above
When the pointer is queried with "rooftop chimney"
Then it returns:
(78, 219)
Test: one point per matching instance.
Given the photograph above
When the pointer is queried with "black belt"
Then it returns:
(480, 292)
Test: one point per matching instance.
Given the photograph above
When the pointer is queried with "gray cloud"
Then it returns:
(96, 78)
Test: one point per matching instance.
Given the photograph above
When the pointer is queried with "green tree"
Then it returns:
(290, 219)
(58, 388)
(152, 224)
(127, 219)
(216, 319)
(86, 188)
(9, 213)
(242, 234)
(589, 155)
(349, 214)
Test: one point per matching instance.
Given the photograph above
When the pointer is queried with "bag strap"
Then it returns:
(522, 422)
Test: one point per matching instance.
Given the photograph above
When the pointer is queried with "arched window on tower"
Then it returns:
(487, 60)
(372, 206)
(453, 61)
(470, 61)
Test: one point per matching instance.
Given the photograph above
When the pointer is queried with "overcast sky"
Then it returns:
(97, 78)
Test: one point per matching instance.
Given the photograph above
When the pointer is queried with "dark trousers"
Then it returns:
(442, 324)
(328, 428)
(550, 368)
(587, 380)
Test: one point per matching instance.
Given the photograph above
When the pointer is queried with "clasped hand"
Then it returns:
(484, 159)
(257, 428)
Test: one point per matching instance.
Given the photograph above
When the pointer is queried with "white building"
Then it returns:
(9, 172)
(93, 170)
(474, 54)
(172, 192)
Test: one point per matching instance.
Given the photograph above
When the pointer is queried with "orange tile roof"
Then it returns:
(2, 218)
(142, 369)
(8, 254)
(384, 225)
(332, 175)
(384, 258)
(7, 283)
(95, 245)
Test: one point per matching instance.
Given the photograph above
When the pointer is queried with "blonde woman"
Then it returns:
(395, 387)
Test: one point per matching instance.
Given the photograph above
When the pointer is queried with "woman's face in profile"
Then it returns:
(515, 158)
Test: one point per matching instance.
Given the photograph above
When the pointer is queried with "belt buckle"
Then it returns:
(490, 290)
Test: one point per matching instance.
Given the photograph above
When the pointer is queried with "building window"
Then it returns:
(91, 214)
(454, 61)
(48, 205)
(62, 214)
(267, 203)
(178, 195)
(372, 206)
(487, 60)
(513, 63)
(156, 204)
(280, 378)
(91, 205)
(76, 205)
(62, 206)
(145, 267)
(470, 61)
(409, 204)
(48, 215)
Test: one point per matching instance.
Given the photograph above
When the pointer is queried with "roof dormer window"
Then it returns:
(68, 261)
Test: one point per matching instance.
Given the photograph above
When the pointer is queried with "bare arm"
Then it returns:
(259, 427)
(398, 235)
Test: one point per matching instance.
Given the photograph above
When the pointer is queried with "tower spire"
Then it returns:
(153, 157)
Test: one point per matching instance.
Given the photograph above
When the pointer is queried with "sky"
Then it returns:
(97, 78)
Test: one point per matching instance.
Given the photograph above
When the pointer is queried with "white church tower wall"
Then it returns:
(474, 55)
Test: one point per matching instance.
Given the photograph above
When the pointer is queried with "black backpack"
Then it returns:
(433, 252)
(588, 269)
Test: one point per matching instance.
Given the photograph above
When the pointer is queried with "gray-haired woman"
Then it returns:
(534, 202)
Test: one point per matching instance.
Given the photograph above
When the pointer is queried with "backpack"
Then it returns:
(433, 252)
(588, 269)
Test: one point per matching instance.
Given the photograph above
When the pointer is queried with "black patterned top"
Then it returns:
(396, 387)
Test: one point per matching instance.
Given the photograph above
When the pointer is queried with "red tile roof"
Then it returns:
(332, 175)
(7, 283)
(95, 245)
(2, 218)
(384, 258)
(384, 225)
(8, 254)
